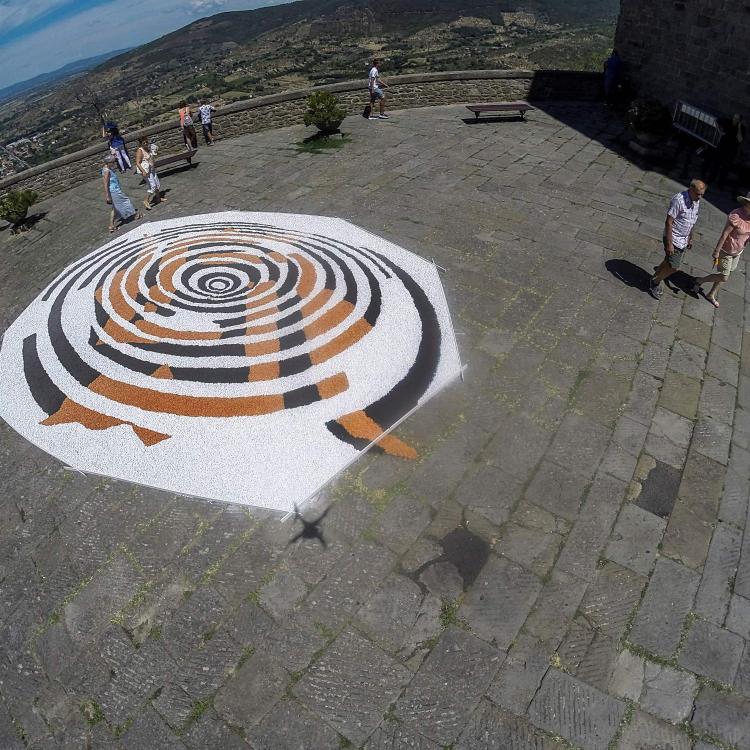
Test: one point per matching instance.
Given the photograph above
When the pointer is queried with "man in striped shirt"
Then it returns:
(678, 233)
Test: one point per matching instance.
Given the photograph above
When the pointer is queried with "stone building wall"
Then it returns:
(282, 110)
(696, 50)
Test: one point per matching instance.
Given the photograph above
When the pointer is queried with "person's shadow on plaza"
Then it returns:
(637, 277)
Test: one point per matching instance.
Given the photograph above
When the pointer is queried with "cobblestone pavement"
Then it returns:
(565, 566)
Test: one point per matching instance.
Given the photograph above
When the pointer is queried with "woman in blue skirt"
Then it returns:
(122, 208)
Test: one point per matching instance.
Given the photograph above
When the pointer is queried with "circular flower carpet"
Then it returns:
(247, 357)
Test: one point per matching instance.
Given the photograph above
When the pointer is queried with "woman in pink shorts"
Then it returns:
(729, 248)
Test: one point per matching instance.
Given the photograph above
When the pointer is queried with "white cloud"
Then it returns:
(208, 7)
(15, 13)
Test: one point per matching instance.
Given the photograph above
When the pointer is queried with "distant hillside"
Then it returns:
(240, 54)
(78, 66)
(383, 16)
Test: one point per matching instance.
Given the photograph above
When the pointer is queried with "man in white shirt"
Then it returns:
(205, 111)
(376, 85)
(678, 232)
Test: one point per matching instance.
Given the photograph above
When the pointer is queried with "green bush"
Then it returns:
(325, 112)
(15, 205)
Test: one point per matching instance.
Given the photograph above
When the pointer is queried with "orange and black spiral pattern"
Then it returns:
(221, 318)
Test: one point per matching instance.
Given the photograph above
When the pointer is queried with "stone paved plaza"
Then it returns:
(564, 566)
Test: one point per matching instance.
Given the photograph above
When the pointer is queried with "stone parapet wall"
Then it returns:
(282, 110)
(696, 50)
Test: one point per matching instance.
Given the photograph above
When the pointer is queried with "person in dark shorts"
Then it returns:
(205, 111)
(376, 85)
(189, 138)
(678, 233)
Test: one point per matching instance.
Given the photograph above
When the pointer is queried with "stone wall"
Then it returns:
(281, 110)
(696, 50)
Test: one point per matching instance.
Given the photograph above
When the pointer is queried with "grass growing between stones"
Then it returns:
(92, 712)
(449, 614)
(697, 737)
(672, 663)
(244, 656)
(627, 717)
(321, 144)
(198, 709)
(120, 729)
(325, 631)
(212, 571)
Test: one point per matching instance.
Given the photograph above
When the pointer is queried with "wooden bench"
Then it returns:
(521, 107)
(163, 161)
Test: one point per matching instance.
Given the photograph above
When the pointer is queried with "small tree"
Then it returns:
(90, 98)
(325, 112)
(15, 205)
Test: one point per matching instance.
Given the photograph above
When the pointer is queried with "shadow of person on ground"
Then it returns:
(629, 273)
(681, 282)
(637, 277)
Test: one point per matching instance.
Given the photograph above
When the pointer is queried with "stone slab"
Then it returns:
(444, 693)
(714, 592)
(667, 602)
(723, 716)
(712, 652)
(557, 490)
(668, 693)
(635, 539)
(291, 727)
(251, 693)
(627, 676)
(351, 686)
(579, 713)
(491, 728)
(521, 674)
(647, 733)
(499, 601)
(579, 445)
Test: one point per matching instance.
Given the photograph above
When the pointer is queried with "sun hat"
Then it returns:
(744, 199)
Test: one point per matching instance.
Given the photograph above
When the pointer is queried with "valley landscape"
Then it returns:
(242, 54)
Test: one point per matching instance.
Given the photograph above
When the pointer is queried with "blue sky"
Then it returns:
(37, 36)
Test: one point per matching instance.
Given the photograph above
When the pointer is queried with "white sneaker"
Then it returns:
(373, 117)
(384, 117)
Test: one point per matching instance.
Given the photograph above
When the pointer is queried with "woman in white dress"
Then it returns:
(145, 164)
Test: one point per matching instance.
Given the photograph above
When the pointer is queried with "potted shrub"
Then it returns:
(15, 205)
(649, 120)
(325, 112)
